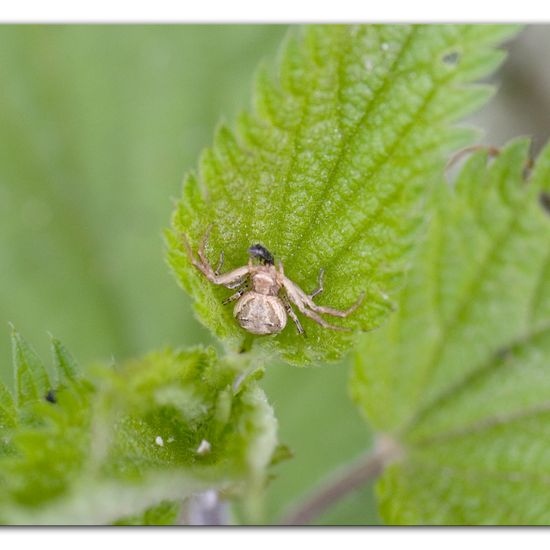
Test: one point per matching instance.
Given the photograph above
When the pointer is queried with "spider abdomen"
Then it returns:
(260, 313)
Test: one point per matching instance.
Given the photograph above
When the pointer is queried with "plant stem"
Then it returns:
(365, 469)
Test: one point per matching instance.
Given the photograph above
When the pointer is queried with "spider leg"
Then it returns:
(321, 309)
(220, 264)
(202, 246)
(203, 265)
(232, 279)
(339, 312)
(296, 298)
(235, 296)
(319, 289)
(292, 315)
(319, 320)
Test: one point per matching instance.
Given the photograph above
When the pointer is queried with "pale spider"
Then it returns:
(264, 292)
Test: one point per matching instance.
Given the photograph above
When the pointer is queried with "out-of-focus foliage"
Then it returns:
(98, 125)
(460, 376)
(96, 120)
(146, 432)
(165, 513)
(323, 430)
(331, 168)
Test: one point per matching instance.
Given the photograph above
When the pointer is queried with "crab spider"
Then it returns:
(264, 294)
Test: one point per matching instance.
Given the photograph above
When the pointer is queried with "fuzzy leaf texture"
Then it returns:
(166, 513)
(330, 169)
(131, 446)
(460, 376)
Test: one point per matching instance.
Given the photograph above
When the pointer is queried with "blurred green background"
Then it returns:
(98, 124)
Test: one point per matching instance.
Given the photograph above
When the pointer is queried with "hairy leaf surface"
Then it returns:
(134, 443)
(330, 168)
(460, 376)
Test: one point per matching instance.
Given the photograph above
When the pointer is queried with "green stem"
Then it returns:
(246, 345)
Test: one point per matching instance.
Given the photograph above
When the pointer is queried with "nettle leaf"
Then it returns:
(460, 376)
(330, 168)
(165, 513)
(31, 377)
(66, 367)
(48, 436)
(132, 445)
(8, 418)
(188, 409)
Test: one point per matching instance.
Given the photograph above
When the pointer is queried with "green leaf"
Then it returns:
(330, 169)
(460, 375)
(143, 433)
(31, 378)
(7, 408)
(65, 365)
(101, 502)
(171, 404)
(8, 419)
(165, 513)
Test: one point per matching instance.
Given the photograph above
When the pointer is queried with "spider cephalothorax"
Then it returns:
(264, 293)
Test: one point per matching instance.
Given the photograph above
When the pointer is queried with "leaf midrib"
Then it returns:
(302, 240)
(466, 302)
